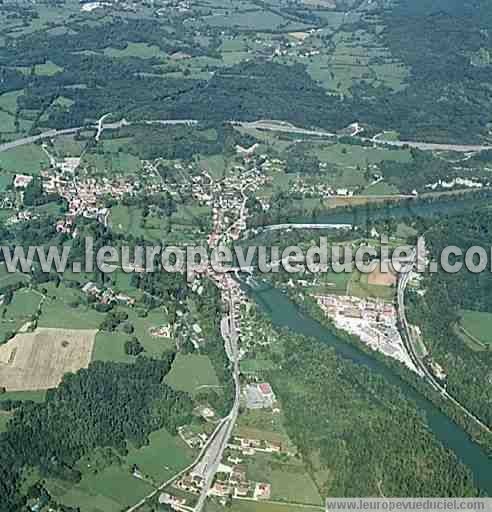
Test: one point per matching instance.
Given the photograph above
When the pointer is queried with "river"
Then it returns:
(284, 313)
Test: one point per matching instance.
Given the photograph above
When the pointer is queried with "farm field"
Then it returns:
(191, 371)
(28, 159)
(38, 360)
(359, 287)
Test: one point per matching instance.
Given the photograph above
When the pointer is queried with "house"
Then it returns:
(263, 491)
(22, 180)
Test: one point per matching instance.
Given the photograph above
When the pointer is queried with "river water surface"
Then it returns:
(284, 313)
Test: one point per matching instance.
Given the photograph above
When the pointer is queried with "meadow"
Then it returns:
(190, 372)
(477, 327)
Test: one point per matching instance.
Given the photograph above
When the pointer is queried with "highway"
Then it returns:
(277, 227)
(269, 125)
(409, 343)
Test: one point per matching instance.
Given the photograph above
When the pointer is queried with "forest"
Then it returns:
(438, 311)
(357, 434)
(107, 405)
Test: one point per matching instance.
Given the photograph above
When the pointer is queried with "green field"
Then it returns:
(109, 346)
(23, 306)
(7, 122)
(256, 20)
(477, 326)
(256, 365)
(259, 506)
(47, 69)
(359, 287)
(191, 371)
(28, 159)
(117, 163)
(110, 490)
(140, 50)
(35, 396)
(67, 146)
(64, 308)
(351, 155)
(163, 457)
(9, 278)
(289, 480)
(8, 101)
(328, 283)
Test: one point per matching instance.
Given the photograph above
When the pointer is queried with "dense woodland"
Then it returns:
(438, 312)
(106, 405)
(357, 434)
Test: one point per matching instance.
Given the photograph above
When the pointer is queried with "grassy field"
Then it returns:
(67, 146)
(113, 488)
(8, 278)
(24, 304)
(182, 227)
(477, 326)
(256, 365)
(359, 287)
(348, 155)
(117, 163)
(35, 396)
(109, 490)
(263, 424)
(164, 456)
(140, 50)
(110, 346)
(64, 308)
(257, 20)
(261, 506)
(191, 371)
(7, 122)
(352, 60)
(8, 100)
(47, 69)
(28, 159)
(289, 480)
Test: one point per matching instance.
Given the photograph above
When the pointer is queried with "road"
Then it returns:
(407, 337)
(277, 227)
(216, 451)
(278, 126)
